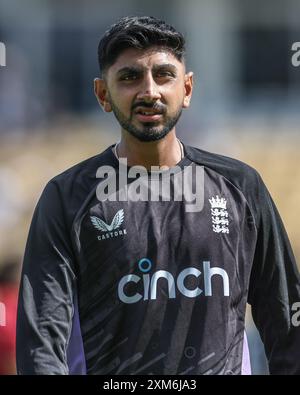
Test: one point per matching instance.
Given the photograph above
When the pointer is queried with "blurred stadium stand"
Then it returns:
(245, 105)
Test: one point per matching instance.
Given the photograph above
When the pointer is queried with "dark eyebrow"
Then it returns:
(164, 66)
(138, 70)
(130, 69)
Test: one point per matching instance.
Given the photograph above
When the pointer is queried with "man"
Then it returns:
(117, 280)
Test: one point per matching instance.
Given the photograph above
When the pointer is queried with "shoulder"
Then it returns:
(70, 188)
(240, 174)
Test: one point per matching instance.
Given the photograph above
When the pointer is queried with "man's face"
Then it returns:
(146, 90)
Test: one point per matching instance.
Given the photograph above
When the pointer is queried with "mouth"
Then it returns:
(148, 115)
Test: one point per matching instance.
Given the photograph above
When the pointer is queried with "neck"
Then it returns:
(166, 152)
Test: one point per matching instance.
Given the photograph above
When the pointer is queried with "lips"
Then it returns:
(148, 114)
(148, 118)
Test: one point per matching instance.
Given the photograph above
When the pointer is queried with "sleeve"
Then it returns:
(274, 289)
(45, 305)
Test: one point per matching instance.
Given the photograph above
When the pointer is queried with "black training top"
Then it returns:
(159, 285)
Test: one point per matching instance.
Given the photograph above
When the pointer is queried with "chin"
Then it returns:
(151, 135)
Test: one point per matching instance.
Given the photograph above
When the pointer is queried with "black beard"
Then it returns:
(150, 132)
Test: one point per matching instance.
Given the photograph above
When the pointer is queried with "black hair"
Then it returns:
(139, 33)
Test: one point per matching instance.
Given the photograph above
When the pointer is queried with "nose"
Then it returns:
(149, 90)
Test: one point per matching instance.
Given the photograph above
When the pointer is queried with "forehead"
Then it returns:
(145, 59)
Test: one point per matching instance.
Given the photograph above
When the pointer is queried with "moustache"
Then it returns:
(153, 106)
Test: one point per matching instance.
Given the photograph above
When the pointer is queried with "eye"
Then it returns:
(165, 74)
(128, 77)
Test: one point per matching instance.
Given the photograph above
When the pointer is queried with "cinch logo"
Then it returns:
(174, 285)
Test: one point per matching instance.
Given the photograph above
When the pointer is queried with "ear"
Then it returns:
(101, 93)
(188, 89)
